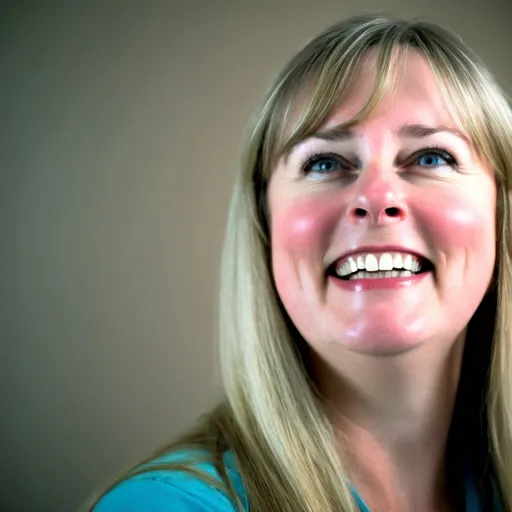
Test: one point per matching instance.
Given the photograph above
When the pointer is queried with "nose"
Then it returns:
(378, 199)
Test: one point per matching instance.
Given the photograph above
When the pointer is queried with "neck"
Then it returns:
(393, 415)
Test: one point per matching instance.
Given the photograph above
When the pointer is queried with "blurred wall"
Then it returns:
(120, 132)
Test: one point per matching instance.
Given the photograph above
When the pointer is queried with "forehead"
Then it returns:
(415, 98)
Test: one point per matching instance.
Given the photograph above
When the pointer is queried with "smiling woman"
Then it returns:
(360, 205)
(366, 288)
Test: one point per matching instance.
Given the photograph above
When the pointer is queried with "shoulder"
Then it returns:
(164, 489)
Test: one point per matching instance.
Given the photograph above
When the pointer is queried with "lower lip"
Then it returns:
(380, 283)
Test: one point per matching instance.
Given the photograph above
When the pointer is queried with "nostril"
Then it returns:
(359, 212)
(392, 212)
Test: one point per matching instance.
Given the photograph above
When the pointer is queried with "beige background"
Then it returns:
(120, 131)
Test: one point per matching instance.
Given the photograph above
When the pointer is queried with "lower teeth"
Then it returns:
(380, 274)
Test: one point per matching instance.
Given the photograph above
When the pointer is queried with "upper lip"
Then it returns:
(380, 249)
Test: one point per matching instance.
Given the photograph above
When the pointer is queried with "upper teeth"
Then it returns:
(375, 262)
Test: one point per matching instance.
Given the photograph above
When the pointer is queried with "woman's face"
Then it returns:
(383, 237)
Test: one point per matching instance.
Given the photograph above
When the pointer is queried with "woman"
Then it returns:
(365, 341)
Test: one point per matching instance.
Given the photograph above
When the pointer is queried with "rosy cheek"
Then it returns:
(302, 230)
(460, 222)
(300, 235)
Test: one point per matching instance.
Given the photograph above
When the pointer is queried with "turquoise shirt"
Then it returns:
(175, 491)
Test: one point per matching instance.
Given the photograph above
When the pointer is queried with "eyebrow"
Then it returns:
(416, 131)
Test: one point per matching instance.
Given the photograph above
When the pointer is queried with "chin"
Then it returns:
(390, 336)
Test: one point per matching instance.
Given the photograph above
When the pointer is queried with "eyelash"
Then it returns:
(318, 157)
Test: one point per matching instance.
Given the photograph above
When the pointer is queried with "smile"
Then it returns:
(373, 265)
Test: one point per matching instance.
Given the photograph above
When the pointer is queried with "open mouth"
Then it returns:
(379, 266)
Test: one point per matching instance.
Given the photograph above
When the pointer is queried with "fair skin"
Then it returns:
(387, 352)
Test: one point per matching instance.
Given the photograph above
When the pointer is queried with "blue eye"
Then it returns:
(325, 165)
(435, 159)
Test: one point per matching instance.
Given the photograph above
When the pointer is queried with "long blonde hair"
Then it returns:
(272, 418)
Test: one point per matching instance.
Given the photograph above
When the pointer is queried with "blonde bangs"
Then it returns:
(315, 82)
(308, 93)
